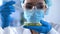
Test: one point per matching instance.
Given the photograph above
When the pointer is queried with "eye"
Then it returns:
(40, 6)
(28, 6)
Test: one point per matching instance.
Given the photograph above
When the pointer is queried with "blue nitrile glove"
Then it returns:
(45, 28)
(5, 10)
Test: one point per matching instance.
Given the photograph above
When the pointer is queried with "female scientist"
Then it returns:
(34, 11)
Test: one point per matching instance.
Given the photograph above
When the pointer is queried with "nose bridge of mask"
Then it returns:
(34, 7)
(37, 11)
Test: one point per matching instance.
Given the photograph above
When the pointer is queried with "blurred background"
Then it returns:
(54, 12)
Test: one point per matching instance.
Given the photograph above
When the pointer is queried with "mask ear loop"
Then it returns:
(46, 9)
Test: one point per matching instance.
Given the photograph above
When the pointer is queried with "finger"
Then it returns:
(12, 8)
(44, 23)
(10, 2)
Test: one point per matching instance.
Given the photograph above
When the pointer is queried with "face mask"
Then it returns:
(33, 15)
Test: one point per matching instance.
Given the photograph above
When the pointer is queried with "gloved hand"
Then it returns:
(5, 10)
(45, 28)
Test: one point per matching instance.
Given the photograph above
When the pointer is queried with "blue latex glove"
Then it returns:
(5, 10)
(45, 28)
(7, 7)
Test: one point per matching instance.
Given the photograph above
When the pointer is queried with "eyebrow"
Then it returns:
(29, 3)
(40, 3)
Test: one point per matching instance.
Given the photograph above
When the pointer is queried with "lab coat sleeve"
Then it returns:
(1, 31)
(54, 28)
(53, 31)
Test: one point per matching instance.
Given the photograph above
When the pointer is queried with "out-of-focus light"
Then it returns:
(1, 2)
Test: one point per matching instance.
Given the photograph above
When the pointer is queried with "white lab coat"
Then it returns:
(14, 30)
(21, 30)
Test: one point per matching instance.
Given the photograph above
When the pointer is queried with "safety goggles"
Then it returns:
(30, 6)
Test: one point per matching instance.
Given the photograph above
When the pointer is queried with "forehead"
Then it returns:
(33, 1)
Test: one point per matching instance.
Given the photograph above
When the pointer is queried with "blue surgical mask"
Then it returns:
(34, 15)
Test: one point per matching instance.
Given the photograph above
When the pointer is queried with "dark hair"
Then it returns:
(23, 1)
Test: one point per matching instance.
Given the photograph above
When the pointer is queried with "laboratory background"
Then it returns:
(53, 16)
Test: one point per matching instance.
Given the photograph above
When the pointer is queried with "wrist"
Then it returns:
(34, 32)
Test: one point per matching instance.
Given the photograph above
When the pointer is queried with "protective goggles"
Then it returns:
(30, 6)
